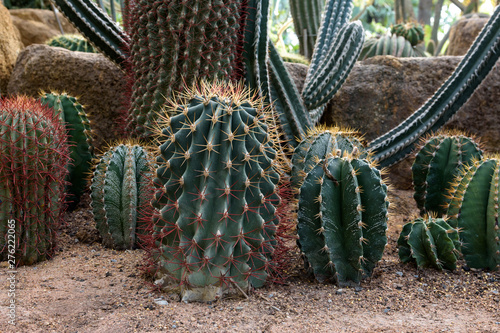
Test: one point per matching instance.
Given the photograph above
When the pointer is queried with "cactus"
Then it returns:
(34, 150)
(393, 45)
(429, 242)
(306, 20)
(437, 163)
(75, 119)
(217, 183)
(342, 219)
(321, 143)
(72, 43)
(412, 32)
(474, 209)
(121, 194)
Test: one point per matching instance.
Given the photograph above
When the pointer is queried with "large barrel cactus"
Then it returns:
(474, 210)
(75, 119)
(439, 160)
(34, 150)
(121, 194)
(342, 219)
(215, 219)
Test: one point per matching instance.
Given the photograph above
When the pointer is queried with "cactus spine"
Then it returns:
(342, 219)
(437, 163)
(75, 119)
(72, 43)
(121, 194)
(430, 242)
(217, 182)
(34, 150)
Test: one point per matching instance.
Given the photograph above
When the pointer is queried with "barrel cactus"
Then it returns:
(121, 194)
(430, 242)
(392, 44)
(219, 170)
(72, 43)
(438, 161)
(411, 31)
(75, 119)
(474, 209)
(342, 219)
(34, 150)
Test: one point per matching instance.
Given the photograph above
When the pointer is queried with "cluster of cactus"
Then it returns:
(72, 43)
(34, 150)
(439, 160)
(214, 225)
(121, 194)
(412, 32)
(73, 116)
(342, 219)
(393, 44)
(430, 242)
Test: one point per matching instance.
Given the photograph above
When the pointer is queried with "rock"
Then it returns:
(463, 33)
(97, 81)
(10, 46)
(36, 26)
(298, 73)
(381, 92)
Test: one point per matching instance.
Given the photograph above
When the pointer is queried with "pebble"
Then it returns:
(238, 308)
(387, 310)
(420, 290)
(399, 273)
(113, 260)
(160, 301)
(339, 291)
(358, 288)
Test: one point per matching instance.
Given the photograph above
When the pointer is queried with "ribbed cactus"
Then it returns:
(321, 143)
(412, 32)
(342, 219)
(474, 210)
(34, 150)
(72, 43)
(121, 194)
(175, 44)
(393, 45)
(217, 182)
(306, 21)
(77, 124)
(439, 160)
(429, 242)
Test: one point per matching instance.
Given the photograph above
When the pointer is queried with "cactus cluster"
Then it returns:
(121, 194)
(72, 43)
(393, 44)
(217, 191)
(411, 31)
(34, 150)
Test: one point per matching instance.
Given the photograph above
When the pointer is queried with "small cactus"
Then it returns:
(412, 32)
(72, 43)
(393, 45)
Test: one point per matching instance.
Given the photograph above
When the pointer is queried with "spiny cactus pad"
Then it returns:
(217, 182)
(34, 150)
(342, 219)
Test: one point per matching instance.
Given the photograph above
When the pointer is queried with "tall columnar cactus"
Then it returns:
(412, 32)
(72, 43)
(306, 21)
(217, 182)
(342, 219)
(75, 119)
(439, 160)
(429, 242)
(34, 150)
(323, 143)
(175, 44)
(121, 194)
(394, 45)
(474, 210)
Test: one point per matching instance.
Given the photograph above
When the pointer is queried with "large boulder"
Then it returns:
(36, 26)
(381, 92)
(10, 45)
(98, 82)
(463, 33)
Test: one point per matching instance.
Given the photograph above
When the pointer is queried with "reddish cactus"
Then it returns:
(34, 150)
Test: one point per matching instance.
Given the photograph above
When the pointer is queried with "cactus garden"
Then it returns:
(164, 168)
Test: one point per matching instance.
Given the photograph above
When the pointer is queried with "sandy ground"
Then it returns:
(89, 288)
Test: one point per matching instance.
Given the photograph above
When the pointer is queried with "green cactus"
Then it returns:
(430, 242)
(75, 119)
(306, 20)
(72, 43)
(321, 143)
(217, 193)
(34, 150)
(121, 193)
(474, 210)
(342, 219)
(438, 161)
(412, 32)
(393, 45)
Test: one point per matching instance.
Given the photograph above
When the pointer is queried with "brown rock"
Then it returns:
(463, 34)
(10, 45)
(36, 26)
(298, 73)
(383, 91)
(96, 80)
